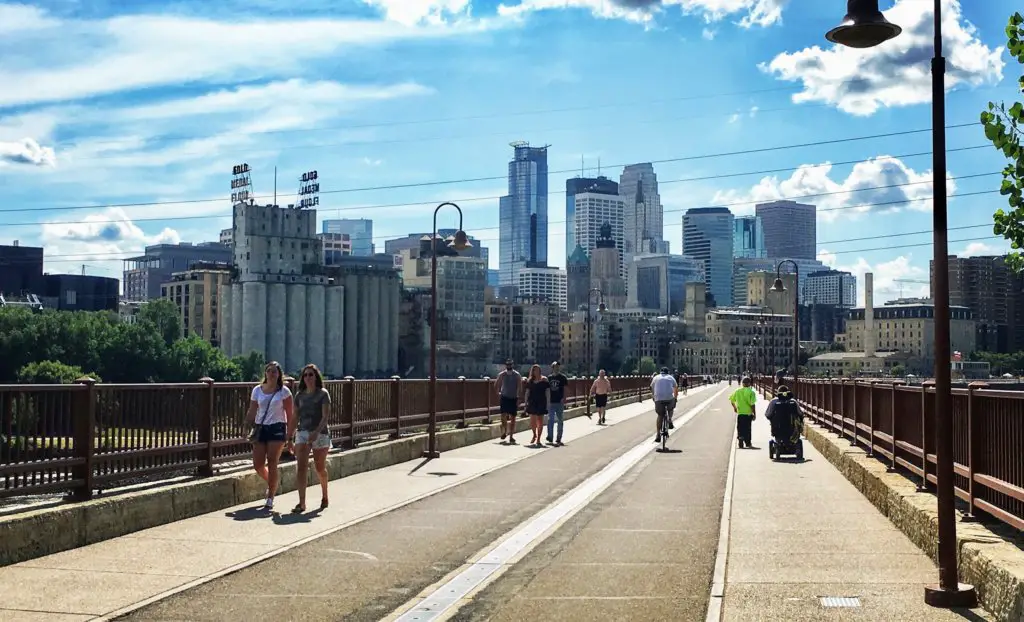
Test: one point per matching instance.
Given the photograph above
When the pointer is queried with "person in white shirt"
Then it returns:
(271, 415)
(664, 389)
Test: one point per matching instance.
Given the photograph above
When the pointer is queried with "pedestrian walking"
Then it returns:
(313, 403)
(556, 409)
(538, 399)
(600, 390)
(271, 415)
(743, 400)
(509, 386)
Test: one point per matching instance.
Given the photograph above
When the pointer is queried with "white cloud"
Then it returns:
(372, 161)
(412, 12)
(847, 196)
(708, 34)
(751, 12)
(100, 57)
(22, 18)
(978, 249)
(733, 118)
(26, 151)
(887, 275)
(897, 73)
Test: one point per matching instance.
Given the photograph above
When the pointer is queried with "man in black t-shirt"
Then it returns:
(556, 409)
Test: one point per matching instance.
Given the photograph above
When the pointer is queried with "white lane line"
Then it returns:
(188, 585)
(453, 589)
(717, 595)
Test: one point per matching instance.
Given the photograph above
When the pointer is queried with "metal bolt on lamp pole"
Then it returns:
(864, 26)
(458, 242)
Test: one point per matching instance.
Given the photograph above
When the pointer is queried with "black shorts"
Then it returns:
(601, 400)
(663, 407)
(509, 406)
(536, 412)
(273, 433)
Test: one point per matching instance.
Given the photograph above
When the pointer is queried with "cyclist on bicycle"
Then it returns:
(664, 389)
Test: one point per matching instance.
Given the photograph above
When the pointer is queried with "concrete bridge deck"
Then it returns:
(604, 528)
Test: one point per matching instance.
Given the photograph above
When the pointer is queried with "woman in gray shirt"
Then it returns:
(313, 404)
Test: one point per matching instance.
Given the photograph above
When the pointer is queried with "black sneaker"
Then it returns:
(671, 425)
(512, 440)
(657, 438)
(559, 444)
(550, 442)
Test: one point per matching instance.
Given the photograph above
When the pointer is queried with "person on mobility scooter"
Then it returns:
(787, 425)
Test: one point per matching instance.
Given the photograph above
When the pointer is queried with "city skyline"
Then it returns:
(133, 154)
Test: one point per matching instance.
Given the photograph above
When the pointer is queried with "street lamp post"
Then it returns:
(458, 242)
(864, 26)
(590, 338)
(780, 287)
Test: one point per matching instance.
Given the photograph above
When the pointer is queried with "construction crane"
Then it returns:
(911, 281)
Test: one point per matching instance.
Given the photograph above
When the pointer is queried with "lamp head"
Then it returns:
(460, 241)
(778, 287)
(864, 26)
(601, 308)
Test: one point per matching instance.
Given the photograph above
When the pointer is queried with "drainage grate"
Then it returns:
(840, 601)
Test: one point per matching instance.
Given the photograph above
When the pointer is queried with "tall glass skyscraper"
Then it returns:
(708, 236)
(359, 230)
(748, 238)
(579, 185)
(790, 229)
(523, 214)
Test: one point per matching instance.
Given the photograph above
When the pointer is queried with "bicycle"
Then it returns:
(665, 420)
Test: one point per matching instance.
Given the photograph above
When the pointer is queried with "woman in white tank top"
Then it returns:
(271, 411)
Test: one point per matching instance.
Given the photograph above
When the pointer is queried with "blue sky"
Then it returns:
(145, 106)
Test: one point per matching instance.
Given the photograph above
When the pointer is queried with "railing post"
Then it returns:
(923, 486)
(842, 409)
(206, 428)
(348, 406)
(396, 405)
(463, 388)
(490, 390)
(853, 437)
(974, 444)
(871, 418)
(892, 425)
(84, 441)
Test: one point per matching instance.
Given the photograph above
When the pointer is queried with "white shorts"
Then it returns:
(322, 442)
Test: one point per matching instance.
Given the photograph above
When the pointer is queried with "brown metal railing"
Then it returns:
(81, 437)
(895, 423)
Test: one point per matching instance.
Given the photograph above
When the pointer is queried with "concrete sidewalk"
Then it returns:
(800, 533)
(107, 579)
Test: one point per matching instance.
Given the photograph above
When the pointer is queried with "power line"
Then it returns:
(495, 197)
(504, 177)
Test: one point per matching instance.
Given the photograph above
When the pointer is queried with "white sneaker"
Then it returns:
(269, 505)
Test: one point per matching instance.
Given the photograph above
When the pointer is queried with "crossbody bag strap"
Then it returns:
(266, 411)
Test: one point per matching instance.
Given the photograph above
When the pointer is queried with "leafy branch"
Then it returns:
(1004, 128)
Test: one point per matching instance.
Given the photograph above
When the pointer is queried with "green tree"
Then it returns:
(250, 365)
(1004, 127)
(647, 366)
(51, 372)
(629, 366)
(191, 358)
(163, 315)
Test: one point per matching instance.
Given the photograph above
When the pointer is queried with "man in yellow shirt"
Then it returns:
(743, 400)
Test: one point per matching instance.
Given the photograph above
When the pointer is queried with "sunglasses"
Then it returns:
(309, 374)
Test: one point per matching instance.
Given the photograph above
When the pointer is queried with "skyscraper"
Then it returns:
(359, 231)
(523, 213)
(579, 185)
(643, 214)
(748, 238)
(790, 229)
(593, 212)
(708, 237)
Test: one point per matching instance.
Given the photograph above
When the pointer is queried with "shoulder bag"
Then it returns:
(254, 434)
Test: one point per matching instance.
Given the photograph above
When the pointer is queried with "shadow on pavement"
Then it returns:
(668, 451)
(247, 514)
(297, 519)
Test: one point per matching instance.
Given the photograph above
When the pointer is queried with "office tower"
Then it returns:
(577, 269)
(790, 229)
(995, 294)
(748, 238)
(578, 185)
(708, 237)
(359, 231)
(659, 282)
(642, 211)
(144, 275)
(543, 285)
(741, 267)
(593, 212)
(830, 288)
(523, 213)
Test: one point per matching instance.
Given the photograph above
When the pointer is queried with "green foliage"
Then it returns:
(47, 346)
(1004, 128)
(51, 372)
(250, 365)
(647, 366)
(898, 371)
(629, 366)
(1001, 363)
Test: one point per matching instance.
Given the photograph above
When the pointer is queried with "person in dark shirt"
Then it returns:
(556, 409)
(538, 394)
